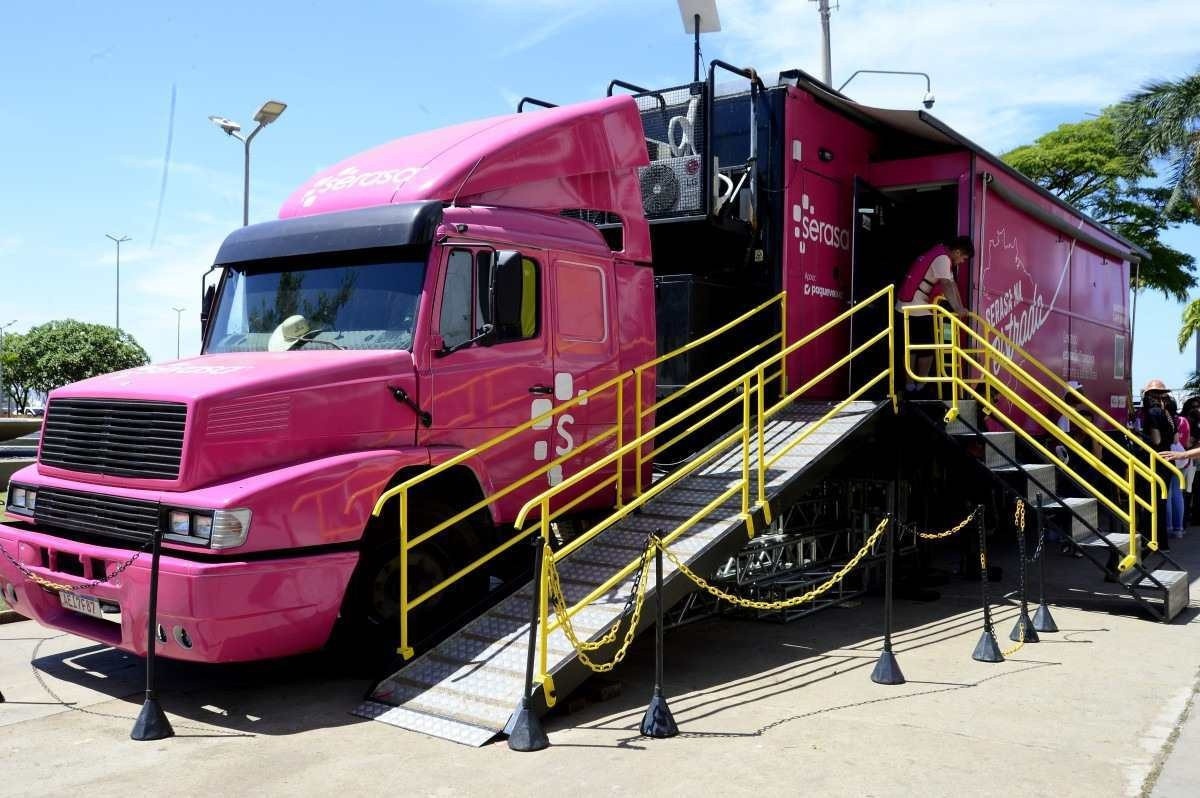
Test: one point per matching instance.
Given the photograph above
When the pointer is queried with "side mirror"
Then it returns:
(507, 287)
(205, 304)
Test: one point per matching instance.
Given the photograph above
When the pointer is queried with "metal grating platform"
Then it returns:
(466, 688)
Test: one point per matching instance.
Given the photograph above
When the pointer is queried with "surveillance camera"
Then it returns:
(928, 101)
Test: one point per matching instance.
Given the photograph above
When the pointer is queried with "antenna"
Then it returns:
(699, 16)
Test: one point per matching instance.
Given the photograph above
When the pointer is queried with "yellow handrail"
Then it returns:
(750, 389)
(615, 431)
(1155, 458)
(994, 358)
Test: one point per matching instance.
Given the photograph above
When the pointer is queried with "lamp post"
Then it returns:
(178, 325)
(269, 112)
(927, 100)
(4, 327)
(118, 241)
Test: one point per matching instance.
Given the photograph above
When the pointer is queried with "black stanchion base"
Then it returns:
(1031, 635)
(887, 670)
(526, 732)
(658, 722)
(1043, 621)
(986, 649)
(151, 723)
(1, 698)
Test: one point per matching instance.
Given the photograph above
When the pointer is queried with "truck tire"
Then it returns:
(369, 623)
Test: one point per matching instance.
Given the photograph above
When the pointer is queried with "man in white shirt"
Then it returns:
(931, 275)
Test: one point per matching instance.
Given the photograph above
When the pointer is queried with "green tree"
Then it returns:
(61, 352)
(1084, 164)
(16, 364)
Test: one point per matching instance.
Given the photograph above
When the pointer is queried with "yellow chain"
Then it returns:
(784, 604)
(1019, 519)
(559, 600)
(46, 583)
(948, 532)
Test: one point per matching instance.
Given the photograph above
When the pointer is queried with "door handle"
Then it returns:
(541, 389)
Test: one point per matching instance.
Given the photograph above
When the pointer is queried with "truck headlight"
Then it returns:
(22, 500)
(218, 529)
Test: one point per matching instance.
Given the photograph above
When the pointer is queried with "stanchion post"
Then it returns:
(1043, 621)
(1023, 628)
(152, 722)
(986, 650)
(658, 722)
(887, 669)
(525, 732)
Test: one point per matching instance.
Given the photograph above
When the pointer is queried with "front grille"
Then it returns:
(116, 437)
(96, 514)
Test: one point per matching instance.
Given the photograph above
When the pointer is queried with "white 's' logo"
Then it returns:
(564, 390)
(809, 228)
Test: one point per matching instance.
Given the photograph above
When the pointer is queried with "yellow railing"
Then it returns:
(1154, 460)
(749, 389)
(620, 391)
(978, 366)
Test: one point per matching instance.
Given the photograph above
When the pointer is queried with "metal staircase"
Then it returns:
(1158, 582)
(466, 688)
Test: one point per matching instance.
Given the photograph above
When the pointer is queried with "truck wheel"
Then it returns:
(370, 617)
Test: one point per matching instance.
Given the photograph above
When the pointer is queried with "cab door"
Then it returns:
(585, 357)
(482, 389)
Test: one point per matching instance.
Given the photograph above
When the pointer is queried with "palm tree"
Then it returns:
(1190, 323)
(1163, 121)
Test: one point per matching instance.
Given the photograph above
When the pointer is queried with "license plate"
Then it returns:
(84, 604)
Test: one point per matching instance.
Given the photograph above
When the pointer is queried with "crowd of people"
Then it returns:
(1175, 431)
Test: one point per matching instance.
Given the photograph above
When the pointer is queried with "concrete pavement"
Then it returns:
(769, 709)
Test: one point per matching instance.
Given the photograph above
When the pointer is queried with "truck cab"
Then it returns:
(346, 349)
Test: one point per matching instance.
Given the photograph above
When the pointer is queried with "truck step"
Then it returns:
(1175, 598)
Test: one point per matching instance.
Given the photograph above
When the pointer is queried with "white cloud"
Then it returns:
(997, 67)
(9, 244)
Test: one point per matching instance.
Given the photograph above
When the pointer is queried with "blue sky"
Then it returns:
(86, 93)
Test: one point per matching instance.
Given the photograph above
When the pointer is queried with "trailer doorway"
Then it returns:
(891, 228)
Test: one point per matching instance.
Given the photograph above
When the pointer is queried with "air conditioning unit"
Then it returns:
(672, 186)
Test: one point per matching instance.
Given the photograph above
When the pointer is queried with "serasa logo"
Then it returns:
(350, 177)
(809, 228)
(564, 390)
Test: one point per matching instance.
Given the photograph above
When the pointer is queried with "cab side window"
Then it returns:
(456, 319)
(465, 300)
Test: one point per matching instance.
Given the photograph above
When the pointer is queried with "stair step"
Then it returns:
(1089, 509)
(1118, 539)
(1005, 442)
(1043, 474)
(1176, 584)
(968, 409)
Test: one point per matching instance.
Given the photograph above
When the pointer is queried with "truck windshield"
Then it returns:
(318, 307)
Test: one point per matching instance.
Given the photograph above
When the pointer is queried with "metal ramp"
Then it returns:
(466, 688)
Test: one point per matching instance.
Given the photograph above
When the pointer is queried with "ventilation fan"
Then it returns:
(660, 188)
(672, 186)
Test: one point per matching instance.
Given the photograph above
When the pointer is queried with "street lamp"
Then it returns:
(118, 241)
(3, 327)
(178, 325)
(927, 100)
(269, 112)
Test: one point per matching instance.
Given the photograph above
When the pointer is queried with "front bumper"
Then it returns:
(233, 611)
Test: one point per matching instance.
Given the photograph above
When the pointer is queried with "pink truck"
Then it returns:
(422, 297)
